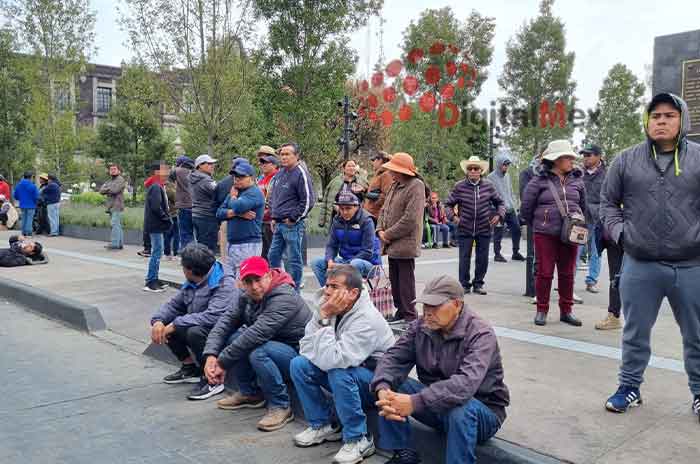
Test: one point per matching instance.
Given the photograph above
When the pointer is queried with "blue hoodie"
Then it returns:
(27, 193)
(241, 230)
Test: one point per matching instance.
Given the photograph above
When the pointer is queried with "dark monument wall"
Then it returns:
(670, 51)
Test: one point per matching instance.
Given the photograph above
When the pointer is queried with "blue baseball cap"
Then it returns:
(243, 169)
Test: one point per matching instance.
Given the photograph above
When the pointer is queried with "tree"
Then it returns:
(59, 34)
(308, 60)
(619, 123)
(197, 48)
(538, 86)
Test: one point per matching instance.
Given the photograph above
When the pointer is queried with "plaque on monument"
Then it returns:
(690, 91)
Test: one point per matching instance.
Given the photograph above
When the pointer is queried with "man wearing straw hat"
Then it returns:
(479, 208)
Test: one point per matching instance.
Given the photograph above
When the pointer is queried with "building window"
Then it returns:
(62, 96)
(104, 99)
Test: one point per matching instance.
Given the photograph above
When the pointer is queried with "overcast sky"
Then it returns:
(601, 33)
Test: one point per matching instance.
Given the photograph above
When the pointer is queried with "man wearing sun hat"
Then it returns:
(480, 208)
(460, 386)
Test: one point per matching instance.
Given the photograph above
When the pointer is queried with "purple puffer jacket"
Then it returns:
(539, 208)
(476, 204)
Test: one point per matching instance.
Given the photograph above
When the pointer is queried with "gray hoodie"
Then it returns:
(203, 189)
(362, 335)
(661, 207)
(502, 181)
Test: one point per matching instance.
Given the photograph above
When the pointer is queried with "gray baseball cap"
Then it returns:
(439, 290)
(203, 159)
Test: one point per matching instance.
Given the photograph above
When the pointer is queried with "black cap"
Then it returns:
(592, 149)
(347, 198)
(665, 97)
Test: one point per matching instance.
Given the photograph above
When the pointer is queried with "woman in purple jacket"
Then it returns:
(539, 209)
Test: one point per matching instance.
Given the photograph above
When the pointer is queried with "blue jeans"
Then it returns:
(172, 239)
(28, 221)
(466, 426)
(264, 370)
(206, 230)
(52, 211)
(288, 238)
(443, 229)
(593, 258)
(350, 390)
(117, 235)
(184, 219)
(320, 267)
(154, 261)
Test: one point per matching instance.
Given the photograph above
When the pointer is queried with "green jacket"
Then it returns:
(328, 203)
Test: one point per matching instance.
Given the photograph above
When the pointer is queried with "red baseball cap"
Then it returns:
(255, 266)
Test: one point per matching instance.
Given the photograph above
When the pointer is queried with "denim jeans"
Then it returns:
(206, 231)
(349, 388)
(154, 261)
(172, 239)
(264, 370)
(184, 219)
(28, 221)
(466, 426)
(320, 267)
(53, 212)
(239, 252)
(593, 258)
(117, 235)
(288, 238)
(443, 229)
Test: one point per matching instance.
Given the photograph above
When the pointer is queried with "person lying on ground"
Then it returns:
(22, 252)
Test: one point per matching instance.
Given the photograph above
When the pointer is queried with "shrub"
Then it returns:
(88, 198)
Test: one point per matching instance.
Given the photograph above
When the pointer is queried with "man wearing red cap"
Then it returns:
(256, 340)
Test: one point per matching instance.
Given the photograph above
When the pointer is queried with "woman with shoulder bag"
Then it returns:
(553, 204)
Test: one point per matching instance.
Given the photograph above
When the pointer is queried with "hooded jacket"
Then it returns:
(526, 176)
(354, 239)
(203, 190)
(594, 184)
(280, 316)
(199, 304)
(360, 338)
(156, 216)
(661, 207)
(502, 182)
(477, 203)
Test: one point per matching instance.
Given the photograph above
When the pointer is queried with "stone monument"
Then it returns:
(677, 69)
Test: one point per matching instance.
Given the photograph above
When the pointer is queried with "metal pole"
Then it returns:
(490, 146)
(530, 265)
(346, 127)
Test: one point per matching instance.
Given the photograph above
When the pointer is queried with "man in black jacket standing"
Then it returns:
(156, 221)
(257, 340)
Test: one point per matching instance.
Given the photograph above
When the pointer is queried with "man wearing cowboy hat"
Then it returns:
(479, 208)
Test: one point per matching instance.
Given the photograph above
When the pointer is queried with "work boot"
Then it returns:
(239, 401)
(609, 323)
(275, 419)
(540, 318)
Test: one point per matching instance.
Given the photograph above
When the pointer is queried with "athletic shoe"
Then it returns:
(624, 398)
(592, 288)
(188, 373)
(239, 401)
(111, 247)
(499, 259)
(578, 299)
(404, 456)
(355, 451)
(696, 405)
(479, 290)
(275, 419)
(204, 390)
(153, 287)
(517, 257)
(609, 323)
(163, 284)
(315, 436)
(144, 253)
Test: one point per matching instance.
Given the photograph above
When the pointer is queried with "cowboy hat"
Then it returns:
(402, 163)
(473, 161)
(557, 149)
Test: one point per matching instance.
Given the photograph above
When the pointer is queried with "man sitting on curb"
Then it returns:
(184, 322)
(257, 339)
(343, 342)
(460, 389)
(352, 240)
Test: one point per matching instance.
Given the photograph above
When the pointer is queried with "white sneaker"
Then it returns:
(354, 452)
(577, 299)
(312, 436)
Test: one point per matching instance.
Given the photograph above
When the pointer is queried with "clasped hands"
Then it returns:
(394, 406)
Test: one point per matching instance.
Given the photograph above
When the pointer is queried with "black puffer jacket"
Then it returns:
(477, 204)
(280, 316)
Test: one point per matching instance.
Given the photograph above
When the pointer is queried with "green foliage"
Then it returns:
(88, 198)
(537, 68)
(619, 124)
(96, 216)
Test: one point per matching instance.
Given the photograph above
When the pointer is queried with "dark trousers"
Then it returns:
(186, 339)
(147, 241)
(206, 231)
(266, 238)
(551, 251)
(172, 239)
(466, 242)
(403, 286)
(184, 219)
(510, 221)
(614, 265)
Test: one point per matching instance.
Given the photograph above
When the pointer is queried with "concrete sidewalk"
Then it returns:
(559, 375)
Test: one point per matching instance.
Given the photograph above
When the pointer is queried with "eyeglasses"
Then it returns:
(473, 168)
(263, 161)
(588, 155)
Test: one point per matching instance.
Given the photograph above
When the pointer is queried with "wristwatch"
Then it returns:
(326, 322)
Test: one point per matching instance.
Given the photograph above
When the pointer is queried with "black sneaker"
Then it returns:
(395, 319)
(144, 253)
(112, 247)
(404, 456)
(479, 290)
(188, 373)
(435, 245)
(203, 390)
(163, 284)
(517, 257)
(153, 287)
(696, 405)
(499, 259)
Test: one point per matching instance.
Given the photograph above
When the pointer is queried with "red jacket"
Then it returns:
(265, 184)
(5, 189)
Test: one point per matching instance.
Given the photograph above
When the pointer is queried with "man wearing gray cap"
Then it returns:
(460, 387)
(204, 206)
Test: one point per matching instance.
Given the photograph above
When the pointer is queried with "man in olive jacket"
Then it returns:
(113, 189)
(256, 340)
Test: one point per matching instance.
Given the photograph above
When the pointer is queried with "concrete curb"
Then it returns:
(74, 313)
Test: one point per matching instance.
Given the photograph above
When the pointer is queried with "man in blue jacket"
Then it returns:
(27, 194)
(243, 208)
(292, 199)
(352, 240)
(184, 322)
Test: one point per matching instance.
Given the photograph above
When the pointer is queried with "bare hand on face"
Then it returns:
(336, 303)
(394, 406)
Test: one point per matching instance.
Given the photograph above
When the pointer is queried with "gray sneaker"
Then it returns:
(355, 451)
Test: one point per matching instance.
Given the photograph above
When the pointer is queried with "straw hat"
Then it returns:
(557, 149)
(474, 161)
(402, 163)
